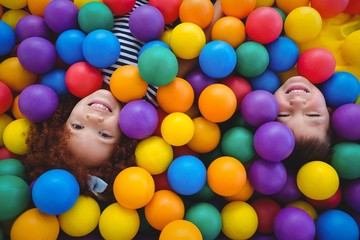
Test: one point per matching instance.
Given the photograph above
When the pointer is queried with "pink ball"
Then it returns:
(316, 64)
(6, 98)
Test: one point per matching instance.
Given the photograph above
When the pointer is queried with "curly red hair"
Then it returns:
(48, 150)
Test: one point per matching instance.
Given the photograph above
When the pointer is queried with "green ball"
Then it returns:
(158, 66)
(252, 59)
(345, 160)
(95, 15)
(205, 194)
(237, 142)
(11, 166)
(14, 197)
(207, 218)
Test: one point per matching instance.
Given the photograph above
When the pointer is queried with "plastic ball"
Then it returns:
(32, 26)
(226, 175)
(217, 59)
(14, 198)
(37, 7)
(82, 218)
(283, 53)
(344, 121)
(297, 22)
(153, 154)
(5, 119)
(16, 82)
(7, 38)
(14, 4)
(133, 187)
(244, 194)
(13, 167)
(316, 64)
(274, 141)
(235, 137)
(114, 216)
(344, 160)
(14, 136)
(158, 66)
(264, 3)
(153, 43)
(55, 191)
(146, 23)
(165, 206)
(187, 40)
(252, 59)
(55, 79)
(12, 17)
(329, 203)
(336, 224)
(353, 7)
(6, 98)
(95, 15)
(289, 5)
(199, 81)
(69, 46)
(178, 89)
(239, 220)
(290, 192)
(169, 9)
(317, 180)
(217, 102)
(38, 102)
(267, 177)
(61, 15)
(349, 50)
(82, 79)
(229, 29)
(352, 194)
(33, 224)
(266, 210)
(293, 222)
(177, 129)
(306, 206)
(199, 12)
(120, 7)
(15, 108)
(186, 175)
(239, 85)
(29, 51)
(180, 229)
(269, 81)
(239, 9)
(329, 9)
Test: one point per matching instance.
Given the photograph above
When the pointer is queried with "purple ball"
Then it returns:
(352, 194)
(290, 192)
(345, 121)
(61, 15)
(38, 102)
(295, 224)
(274, 141)
(267, 177)
(146, 23)
(138, 119)
(37, 55)
(32, 26)
(259, 107)
(199, 81)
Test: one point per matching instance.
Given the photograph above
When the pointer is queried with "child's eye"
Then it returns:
(105, 135)
(283, 114)
(313, 115)
(77, 126)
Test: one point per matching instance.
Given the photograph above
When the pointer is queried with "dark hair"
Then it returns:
(48, 150)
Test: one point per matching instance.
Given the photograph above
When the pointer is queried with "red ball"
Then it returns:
(5, 154)
(264, 25)
(161, 182)
(316, 64)
(120, 7)
(82, 79)
(239, 85)
(329, 8)
(6, 98)
(266, 210)
(329, 203)
(168, 8)
(353, 7)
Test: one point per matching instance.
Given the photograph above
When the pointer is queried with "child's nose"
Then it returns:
(297, 101)
(94, 117)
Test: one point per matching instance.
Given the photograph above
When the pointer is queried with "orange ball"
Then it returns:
(226, 176)
(15, 108)
(288, 5)
(199, 12)
(244, 194)
(165, 206)
(177, 96)
(229, 29)
(37, 7)
(217, 102)
(180, 229)
(127, 85)
(238, 8)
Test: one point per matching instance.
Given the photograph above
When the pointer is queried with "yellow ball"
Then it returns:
(206, 136)
(177, 129)
(12, 17)
(166, 36)
(33, 224)
(4, 121)
(303, 24)
(154, 154)
(240, 220)
(117, 222)
(264, 3)
(307, 207)
(187, 40)
(82, 218)
(317, 180)
(180, 229)
(350, 48)
(11, 4)
(15, 135)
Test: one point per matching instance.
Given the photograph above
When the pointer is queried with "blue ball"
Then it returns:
(152, 44)
(341, 88)
(268, 81)
(186, 175)
(336, 224)
(69, 46)
(217, 59)
(55, 191)
(283, 54)
(101, 48)
(55, 79)
(7, 38)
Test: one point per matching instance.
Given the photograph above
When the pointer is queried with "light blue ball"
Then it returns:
(268, 81)
(7, 38)
(69, 46)
(283, 53)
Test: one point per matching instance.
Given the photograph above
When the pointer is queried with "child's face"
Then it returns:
(94, 128)
(303, 108)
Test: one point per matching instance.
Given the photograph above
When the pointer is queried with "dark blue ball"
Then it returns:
(283, 53)
(55, 79)
(268, 80)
